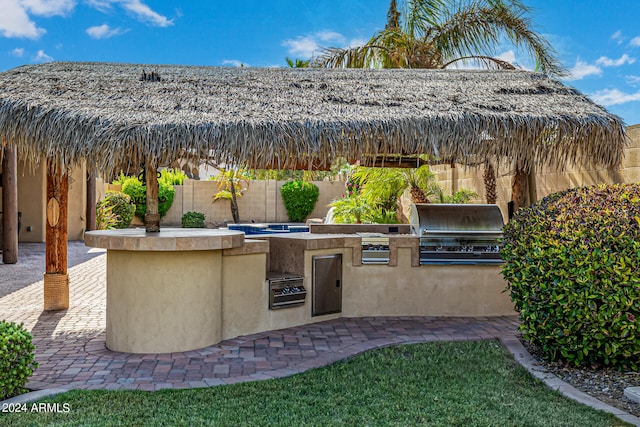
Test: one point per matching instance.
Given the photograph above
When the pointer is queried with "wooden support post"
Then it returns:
(152, 217)
(56, 278)
(91, 202)
(9, 205)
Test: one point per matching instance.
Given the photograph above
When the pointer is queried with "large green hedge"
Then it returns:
(17, 360)
(299, 199)
(573, 267)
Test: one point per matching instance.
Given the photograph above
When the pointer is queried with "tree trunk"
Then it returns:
(152, 216)
(519, 190)
(533, 186)
(235, 212)
(56, 278)
(10, 206)
(489, 177)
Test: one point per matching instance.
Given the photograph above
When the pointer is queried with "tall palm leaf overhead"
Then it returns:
(440, 33)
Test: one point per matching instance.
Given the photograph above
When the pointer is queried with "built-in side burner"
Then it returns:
(375, 248)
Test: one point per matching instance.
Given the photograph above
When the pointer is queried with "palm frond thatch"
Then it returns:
(110, 115)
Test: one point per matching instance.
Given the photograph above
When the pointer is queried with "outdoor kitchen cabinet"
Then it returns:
(327, 284)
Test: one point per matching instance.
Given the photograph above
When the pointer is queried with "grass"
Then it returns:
(434, 384)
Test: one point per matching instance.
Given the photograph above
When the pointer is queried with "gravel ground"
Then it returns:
(605, 384)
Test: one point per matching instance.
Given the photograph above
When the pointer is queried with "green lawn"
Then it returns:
(434, 384)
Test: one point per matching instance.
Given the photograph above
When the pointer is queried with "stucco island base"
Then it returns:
(164, 290)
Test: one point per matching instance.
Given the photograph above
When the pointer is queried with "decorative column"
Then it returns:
(152, 217)
(9, 205)
(56, 278)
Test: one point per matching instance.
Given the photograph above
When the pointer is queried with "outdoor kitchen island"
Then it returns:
(179, 290)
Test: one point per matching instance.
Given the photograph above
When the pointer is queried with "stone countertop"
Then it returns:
(166, 240)
(288, 246)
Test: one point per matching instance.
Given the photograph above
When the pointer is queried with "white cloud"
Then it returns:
(104, 31)
(330, 37)
(508, 56)
(138, 8)
(617, 37)
(632, 80)
(101, 5)
(144, 13)
(357, 42)
(608, 97)
(311, 45)
(234, 63)
(18, 52)
(582, 70)
(49, 7)
(42, 57)
(15, 21)
(302, 47)
(635, 42)
(608, 62)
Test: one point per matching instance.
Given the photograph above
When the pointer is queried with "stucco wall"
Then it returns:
(32, 193)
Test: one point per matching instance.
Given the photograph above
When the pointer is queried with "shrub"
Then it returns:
(193, 220)
(115, 210)
(16, 359)
(132, 186)
(573, 267)
(299, 198)
(172, 176)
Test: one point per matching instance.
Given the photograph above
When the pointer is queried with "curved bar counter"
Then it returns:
(164, 290)
(184, 289)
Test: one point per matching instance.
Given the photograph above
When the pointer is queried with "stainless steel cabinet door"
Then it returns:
(327, 284)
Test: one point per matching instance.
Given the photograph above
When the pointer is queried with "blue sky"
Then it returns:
(597, 40)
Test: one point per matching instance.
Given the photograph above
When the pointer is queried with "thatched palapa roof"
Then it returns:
(111, 114)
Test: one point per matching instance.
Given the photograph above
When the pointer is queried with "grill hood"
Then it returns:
(476, 221)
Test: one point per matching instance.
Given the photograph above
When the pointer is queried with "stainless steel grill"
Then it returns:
(457, 234)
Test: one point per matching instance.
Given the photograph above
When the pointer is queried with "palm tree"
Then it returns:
(437, 34)
(297, 63)
(231, 184)
(440, 33)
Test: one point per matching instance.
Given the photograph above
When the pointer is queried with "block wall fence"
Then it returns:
(548, 180)
(261, 202)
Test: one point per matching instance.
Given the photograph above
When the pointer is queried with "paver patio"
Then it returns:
(71, 352)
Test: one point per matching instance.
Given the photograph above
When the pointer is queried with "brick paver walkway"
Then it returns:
(70, 344)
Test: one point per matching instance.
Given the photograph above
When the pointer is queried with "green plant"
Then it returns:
(172, 176)
(132, 186)
(299, 199)
(193, 220)
(115, 211)
(573, 267)
(105, 218)
(232, 183)
(16, 359)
